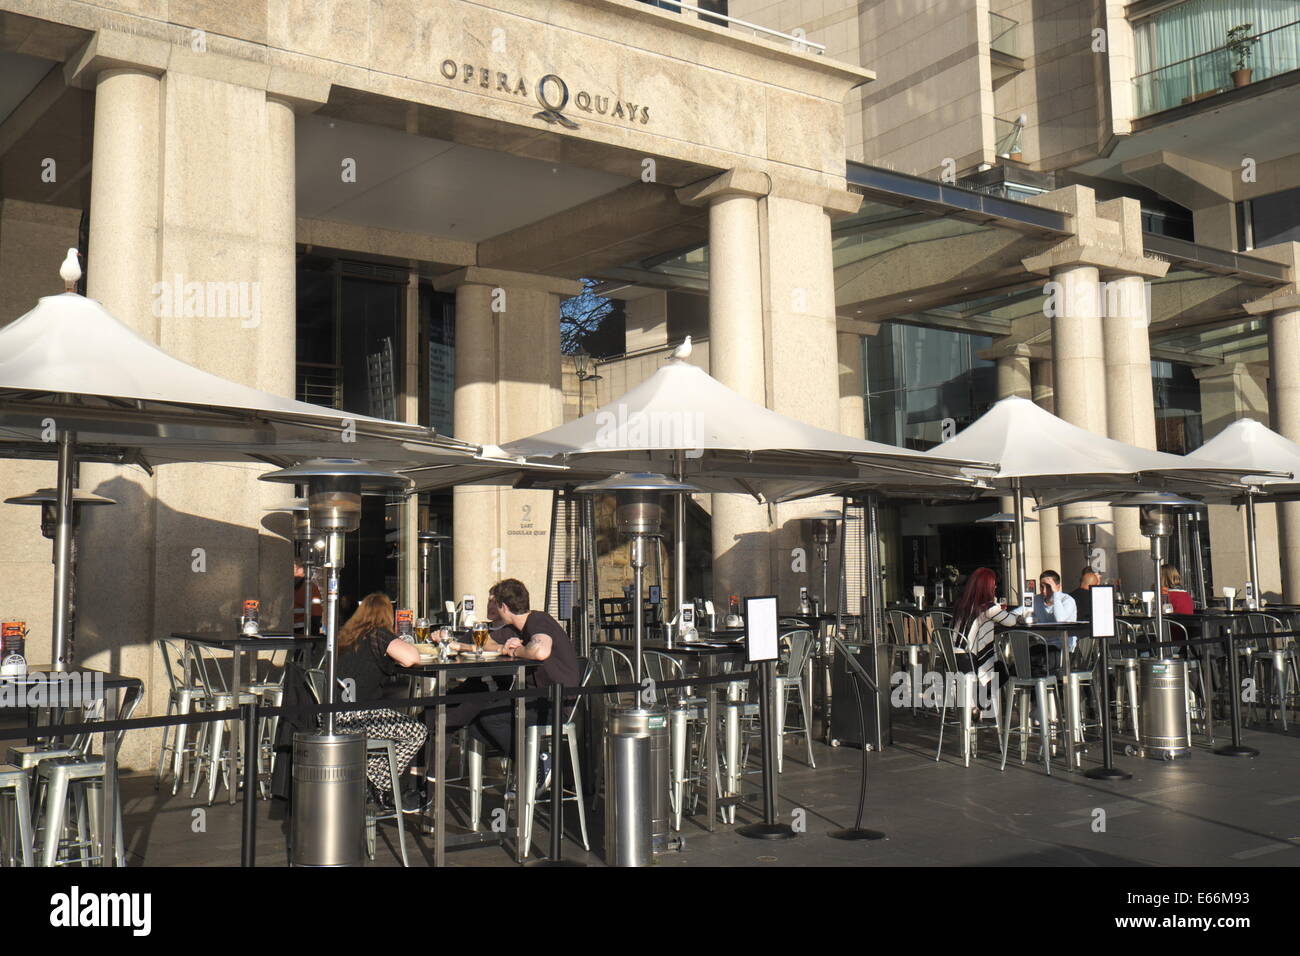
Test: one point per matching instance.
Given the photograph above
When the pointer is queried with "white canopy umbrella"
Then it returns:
(77, 384)
(1251, 444)
(682, 422)
(1039, 455)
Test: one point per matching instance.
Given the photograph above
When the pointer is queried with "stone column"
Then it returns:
(1284, 372)
(193, 230)
(1281, 313)
(853, 419)
(1229, 392)
(507, 387)
(1014, 381)
(1049, 537)
(34, 238)
(737, 358)
(1284, 364)
(804, 354)
(1130, 404)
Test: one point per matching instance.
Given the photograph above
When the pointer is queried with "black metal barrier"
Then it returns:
(251, 713)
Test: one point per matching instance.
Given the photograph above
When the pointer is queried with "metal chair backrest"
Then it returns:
(1086, 653)
(902, 626)
(801, 645)
(315, 682)
(207, 668)
(1126, 634)
(173, 656)
(660, 667)
(1018, 646)
(615, 668)
(1256, 623)
(938, 619)
(946, 638)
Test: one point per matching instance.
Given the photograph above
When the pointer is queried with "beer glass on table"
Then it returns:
(480, 638)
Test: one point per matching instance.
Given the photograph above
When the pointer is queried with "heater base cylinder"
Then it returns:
(329, 799)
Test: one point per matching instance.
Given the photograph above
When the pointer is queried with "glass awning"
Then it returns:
(928, 253)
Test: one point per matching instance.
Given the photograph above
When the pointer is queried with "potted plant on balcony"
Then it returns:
(1239, 47)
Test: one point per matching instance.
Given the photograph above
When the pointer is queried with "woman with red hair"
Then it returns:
(975, 619)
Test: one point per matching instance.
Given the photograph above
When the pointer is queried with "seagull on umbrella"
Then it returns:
(70, 271)
(683, 351)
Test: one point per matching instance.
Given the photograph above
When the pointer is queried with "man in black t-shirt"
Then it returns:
(1083, 593)
(532, 635)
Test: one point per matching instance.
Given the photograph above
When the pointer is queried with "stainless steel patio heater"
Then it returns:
(1004, 527)
(636, 824)
(48, 501)
(329, 770)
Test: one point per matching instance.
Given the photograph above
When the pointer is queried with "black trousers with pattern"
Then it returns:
(406, 732)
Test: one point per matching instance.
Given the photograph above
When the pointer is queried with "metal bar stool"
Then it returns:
(965, 684)
(374, 815)
(1021, 683)
(798, 658)
(13, 780)
(181, 699)
(1278, 656)
(72, 777)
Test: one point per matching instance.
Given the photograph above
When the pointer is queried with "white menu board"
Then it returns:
(760, 629)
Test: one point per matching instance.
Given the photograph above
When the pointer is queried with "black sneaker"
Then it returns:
(416, 800)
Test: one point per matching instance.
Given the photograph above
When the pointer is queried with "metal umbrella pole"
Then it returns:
(1254, 551)
(62, 650)
(1020, 541)
(679, 539)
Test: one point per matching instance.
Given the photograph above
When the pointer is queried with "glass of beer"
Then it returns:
(422, 628)
(480, 637)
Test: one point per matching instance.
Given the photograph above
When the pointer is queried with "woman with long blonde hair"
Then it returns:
(370, 654)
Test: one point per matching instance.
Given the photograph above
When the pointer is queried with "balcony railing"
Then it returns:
(797, 41)
(1004, 34)
(1207, 74)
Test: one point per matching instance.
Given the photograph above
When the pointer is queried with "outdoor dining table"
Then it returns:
(240, 645)
(1052, 632)
(116, 707)
(711, 655)
(440, 673)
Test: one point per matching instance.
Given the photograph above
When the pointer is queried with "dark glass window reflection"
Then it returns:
(1177, 397)
(919, 378)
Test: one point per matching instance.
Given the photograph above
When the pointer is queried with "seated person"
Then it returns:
(1053, 604)
(369, 654)
(1171, 582)
(530, 635)
(1083, 593)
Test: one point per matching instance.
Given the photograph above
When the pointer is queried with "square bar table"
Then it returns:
(239, 645)
(435, 754)
(115, 708)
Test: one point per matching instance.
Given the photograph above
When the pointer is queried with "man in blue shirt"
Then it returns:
(1053, 604)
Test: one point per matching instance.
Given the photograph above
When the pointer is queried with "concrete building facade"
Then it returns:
(859, 211)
